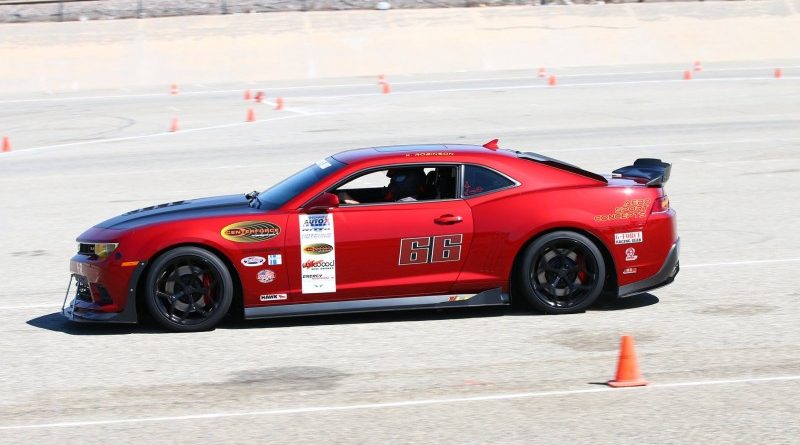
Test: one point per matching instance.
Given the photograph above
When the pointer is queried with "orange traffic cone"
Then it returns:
(778, 73)
(279, 103)
(251, 115)
(174, 125)
(687, 75)
(551, 80)
(173, 89)
(698, 66)
(259, 96)
(542, 73)
(6, 144)
(386, 88)
(247, 95)
(628, 366)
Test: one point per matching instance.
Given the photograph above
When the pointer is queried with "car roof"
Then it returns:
(433, 152)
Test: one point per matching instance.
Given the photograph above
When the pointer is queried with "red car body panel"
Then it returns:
(493, 229)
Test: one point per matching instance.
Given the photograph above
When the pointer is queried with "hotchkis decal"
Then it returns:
(633, 208)
(318, 249)
(629, 270)
(274, 260)
(265, 276)
(273, 297)
(250, 231)
(628, 238)
(430, 249)
(317, 254)
(630, 254)
(253, 261)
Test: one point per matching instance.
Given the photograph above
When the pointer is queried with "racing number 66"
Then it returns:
(430, 249)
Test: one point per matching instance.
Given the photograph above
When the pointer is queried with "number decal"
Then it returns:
(430, 249)
(446, 248)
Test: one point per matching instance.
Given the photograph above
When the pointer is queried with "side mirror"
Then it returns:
(322, 203)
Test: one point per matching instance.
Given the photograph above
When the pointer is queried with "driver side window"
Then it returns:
(400, 184)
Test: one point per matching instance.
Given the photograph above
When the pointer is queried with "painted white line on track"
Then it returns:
(670, 144)
(408, 82)
(742, 263)
(545, 86)
(399, 404)
(164, 133)
(31, 306)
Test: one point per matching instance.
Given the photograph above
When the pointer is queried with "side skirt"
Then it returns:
(491, 297)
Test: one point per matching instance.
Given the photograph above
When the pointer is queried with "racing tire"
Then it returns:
(188, 289)
(560, 273)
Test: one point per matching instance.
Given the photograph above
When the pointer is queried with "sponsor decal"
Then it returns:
(628, 238)
(317, 254)
(273, 297)
(459, 297)
(323, 164)
(630, 254)
(633, 208)
(430, 249)
(274, 260)
(253, 261)
(250, 231)
(629, 270)
(318, 249)
(265, 276)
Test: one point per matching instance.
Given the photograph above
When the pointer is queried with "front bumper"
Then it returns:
(666, 275)
(83, 309)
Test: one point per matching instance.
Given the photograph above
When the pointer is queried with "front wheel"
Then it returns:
(561, 273)
(188, 289)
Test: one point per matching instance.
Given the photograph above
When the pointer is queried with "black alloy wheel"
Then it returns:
(188, 289)
(561, 273)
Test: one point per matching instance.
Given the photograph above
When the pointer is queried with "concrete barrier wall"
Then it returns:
(296, 45)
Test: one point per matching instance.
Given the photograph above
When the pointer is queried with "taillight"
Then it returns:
(661, 204)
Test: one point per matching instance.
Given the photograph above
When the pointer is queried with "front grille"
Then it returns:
(82, 291)
(86, 249)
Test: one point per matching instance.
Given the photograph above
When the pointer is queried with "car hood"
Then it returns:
(181, 210)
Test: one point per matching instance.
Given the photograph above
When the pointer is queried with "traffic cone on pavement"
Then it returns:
(279, 103)
(551, 80)
(259, 96)
(628, 366)
(247, 95)
(381, 79)
(698, 66)
(6, 144)
(173, 89)
(542, 73)
(778, 73)
(687, 75)
(386, 88)
(174, 125)
(251, 115)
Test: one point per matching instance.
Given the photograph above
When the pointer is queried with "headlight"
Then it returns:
(100, 250)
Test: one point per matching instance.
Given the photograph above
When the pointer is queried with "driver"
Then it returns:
(405, 184)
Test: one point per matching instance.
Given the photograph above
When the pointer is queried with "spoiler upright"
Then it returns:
(654, 171)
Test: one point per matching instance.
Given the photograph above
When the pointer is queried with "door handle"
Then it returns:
(448, 219)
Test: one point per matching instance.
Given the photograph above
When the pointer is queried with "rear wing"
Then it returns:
(653, 170)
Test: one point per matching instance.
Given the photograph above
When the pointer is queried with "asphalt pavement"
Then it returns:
(721, 345)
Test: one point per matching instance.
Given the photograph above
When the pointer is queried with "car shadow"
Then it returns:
(56, 322)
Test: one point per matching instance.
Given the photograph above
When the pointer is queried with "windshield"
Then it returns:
(280, 193)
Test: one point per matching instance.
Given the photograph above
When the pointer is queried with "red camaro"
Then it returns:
(405, 227)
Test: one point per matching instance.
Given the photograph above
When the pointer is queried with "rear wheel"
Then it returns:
(188, 289)
(561, 273)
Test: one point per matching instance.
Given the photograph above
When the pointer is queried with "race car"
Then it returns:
(385, 228)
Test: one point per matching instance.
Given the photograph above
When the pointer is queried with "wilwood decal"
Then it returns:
(250, 231)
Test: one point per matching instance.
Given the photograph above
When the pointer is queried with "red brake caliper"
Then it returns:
(207, 284)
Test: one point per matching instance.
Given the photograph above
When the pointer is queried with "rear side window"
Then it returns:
(478, 180)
